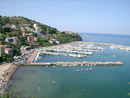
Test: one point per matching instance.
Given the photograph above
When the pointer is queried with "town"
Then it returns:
(17, 36)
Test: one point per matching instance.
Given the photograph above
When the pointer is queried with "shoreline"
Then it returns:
(6, 72)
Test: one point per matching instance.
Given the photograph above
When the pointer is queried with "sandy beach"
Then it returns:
(6, 71)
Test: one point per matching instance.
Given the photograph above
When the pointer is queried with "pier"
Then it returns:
(77, 63)
(32, 56)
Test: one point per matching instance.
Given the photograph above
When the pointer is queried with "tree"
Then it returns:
(16, 52)
(43, 31)
(42, 41)
(52, 31)
(6, 29)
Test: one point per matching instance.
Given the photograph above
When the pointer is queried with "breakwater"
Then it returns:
(77, 63)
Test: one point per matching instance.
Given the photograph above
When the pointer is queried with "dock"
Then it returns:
(77, 63)
(32, 56)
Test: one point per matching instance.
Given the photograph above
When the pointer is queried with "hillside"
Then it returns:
(17, 32)
(44, 29)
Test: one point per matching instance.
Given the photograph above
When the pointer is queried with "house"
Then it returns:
(2, 51)
(9, 51)
(36, 27)
(7, 25)
(25, 48)
(30, 38)
(23, 33)
(22, 29)
(25, 27)
(54, 41)
(13, 40)
(35, 39)
(13, 27)
(37, 30)
(70, 32)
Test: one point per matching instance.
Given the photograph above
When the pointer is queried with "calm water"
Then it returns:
(60, 82)
(107, 38)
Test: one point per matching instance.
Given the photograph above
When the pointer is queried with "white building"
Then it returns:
(36, 27)
(13, 26)
(12, 40)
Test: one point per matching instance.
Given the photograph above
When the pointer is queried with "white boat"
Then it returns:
(77, 70)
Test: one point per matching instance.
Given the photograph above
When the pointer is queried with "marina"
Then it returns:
(79, 50)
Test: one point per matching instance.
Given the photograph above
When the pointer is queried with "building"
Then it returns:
(9, 51)
(23, 33)
(25, 27)
(2, 51)
(13, 27)
(13, 40)
(7, 25)
(70, 32)
(36, 27)
(37, 30)
(53, 41)
(30, 38)
(38, 33)
(25, 48)
(35, 39)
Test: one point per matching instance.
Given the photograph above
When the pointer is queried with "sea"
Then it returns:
(65, 82)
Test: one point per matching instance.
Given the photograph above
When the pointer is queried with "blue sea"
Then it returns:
(60, 82)
(106, 38)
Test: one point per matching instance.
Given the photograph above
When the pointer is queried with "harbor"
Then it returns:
(74, 50)
(78, 50)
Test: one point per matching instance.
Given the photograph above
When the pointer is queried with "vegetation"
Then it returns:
(65, 38)
(5, 58)
(6, 29)
(10, 94)
(43, 41)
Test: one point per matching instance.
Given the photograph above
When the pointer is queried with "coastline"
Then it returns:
(6, 72)
(11, 68)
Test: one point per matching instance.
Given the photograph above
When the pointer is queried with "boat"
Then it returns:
(77, 70)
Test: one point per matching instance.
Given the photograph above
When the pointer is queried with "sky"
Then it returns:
(91, 16)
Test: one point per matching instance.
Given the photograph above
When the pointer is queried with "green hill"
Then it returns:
(23, 29)
(44, 28)
(15, 20)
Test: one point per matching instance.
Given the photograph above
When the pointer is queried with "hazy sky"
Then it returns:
(93, 16)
